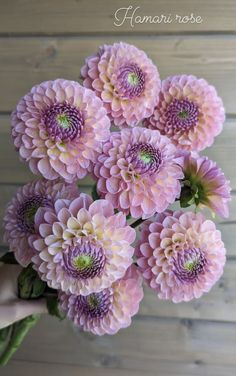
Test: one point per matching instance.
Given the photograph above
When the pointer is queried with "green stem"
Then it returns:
(20, 329)
(137, 223)
(5, 334)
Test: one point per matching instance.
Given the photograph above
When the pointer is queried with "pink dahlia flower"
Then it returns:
(189, 112)
(181, 255)
(58, 128)
(108, 311)
(204, 185)
(83, 247)
(19, 227)
(138, 172)
(125, 79)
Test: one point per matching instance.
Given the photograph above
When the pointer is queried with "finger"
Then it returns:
(19, 309)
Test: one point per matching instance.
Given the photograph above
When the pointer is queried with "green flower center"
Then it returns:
(191, 265)
(93, 301)
(83, 262)
(63, 121)
(183, 115)
(145, 157)
(30, 213)
(133, 79)
(26, 212)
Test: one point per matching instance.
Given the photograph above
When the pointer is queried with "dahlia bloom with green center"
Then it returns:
(138, 172)
(188, 111)
(125, 79)
(109, 310)
(59, 128)
(19, 226)
(180, 255)
(82, 246)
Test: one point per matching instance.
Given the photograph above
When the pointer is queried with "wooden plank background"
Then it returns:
(46, 39)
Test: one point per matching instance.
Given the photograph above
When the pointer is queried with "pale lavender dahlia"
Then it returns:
(138, 172)
(19, 227)
(107, 311)
(59, 128)
(125, 79)
(181, 255)
(83, 247)
(189, 112)
(204, 185)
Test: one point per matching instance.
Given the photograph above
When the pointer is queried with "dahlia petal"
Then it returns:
(186, 265)
(188, 111)
(24, 216)
(101, 206)
(138, 172)
(213, 190)
(85, 247)
(116, 305)
(126, 80)
(53, 121)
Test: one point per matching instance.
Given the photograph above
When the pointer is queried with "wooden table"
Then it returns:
(46, 39)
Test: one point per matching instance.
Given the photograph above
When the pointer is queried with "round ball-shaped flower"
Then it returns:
(138, 172)
(58, 128)
(189, 112)
(204, 185)
(125, 79)
(181, 255)
(82, 246)
(108, 311)
(19, 226)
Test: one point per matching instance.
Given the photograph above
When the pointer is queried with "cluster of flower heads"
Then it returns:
(84, 247)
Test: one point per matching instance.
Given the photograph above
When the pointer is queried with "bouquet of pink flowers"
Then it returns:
(78, 251)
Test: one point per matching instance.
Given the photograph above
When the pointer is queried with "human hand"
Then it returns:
(11, 307)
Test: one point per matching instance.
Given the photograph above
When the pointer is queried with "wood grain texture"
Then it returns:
(21, 368)
(89, 16)
(28, 61)
(140, 347)
(163, 368)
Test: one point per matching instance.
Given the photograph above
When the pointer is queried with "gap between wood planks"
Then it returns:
(124, 34)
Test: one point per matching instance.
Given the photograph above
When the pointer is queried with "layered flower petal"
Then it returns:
(181, 255)
(138, 172)
(19, 226)
(59, 128)
(205, 185)
(82, 246)
(188, 111)
(108, 311)
(125, 79)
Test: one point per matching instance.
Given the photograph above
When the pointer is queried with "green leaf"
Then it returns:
(8, 258)
(38, 288)
(186, 197)
(30, 286)
(18, 332)
(94, 193)
(53, 308)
